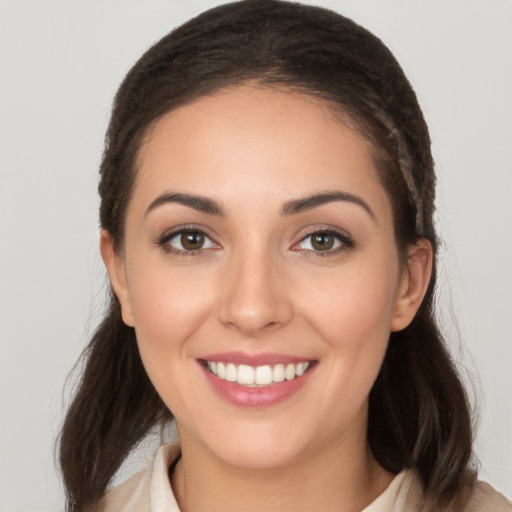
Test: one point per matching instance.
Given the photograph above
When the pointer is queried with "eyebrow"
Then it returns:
(200, 203)
(309, 202)
(292, 207)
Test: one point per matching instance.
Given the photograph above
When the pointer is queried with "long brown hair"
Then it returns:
(418, 411)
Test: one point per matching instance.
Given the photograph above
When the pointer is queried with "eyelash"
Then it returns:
(345, 242)
(164, 242)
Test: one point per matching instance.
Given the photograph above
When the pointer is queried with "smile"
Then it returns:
(259, 376)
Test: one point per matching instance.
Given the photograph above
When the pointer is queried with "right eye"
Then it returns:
(187, 241)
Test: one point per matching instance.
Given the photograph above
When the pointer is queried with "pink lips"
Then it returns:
(258, 397)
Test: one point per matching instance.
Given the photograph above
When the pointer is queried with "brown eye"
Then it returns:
(322, 241)
(327, 241)
(192, 240)
(187, 241)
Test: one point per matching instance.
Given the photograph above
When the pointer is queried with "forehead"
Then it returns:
(262, 142)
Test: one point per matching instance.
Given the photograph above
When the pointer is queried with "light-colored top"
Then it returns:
(150, 491)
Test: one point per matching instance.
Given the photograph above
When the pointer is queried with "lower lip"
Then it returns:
(259, 397)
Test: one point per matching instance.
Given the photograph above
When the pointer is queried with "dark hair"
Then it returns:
(418, 410)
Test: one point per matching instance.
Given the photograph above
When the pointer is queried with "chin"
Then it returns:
(263, 456)
(258, 447)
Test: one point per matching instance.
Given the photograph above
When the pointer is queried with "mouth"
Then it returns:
(256, 380)
(257, 376)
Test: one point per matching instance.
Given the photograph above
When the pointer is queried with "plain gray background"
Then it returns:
(60, 64)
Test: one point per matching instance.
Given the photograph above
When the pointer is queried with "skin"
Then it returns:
(259, 286)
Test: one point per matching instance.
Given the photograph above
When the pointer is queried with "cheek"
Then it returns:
(352, 311)
(166, 299)
(352, 304)
(167, 309)
(167, 306)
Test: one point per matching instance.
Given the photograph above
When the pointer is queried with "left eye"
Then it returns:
(189, 240)
(322, 241)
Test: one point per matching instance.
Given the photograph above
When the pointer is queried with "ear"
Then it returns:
(117, 274)
(413, 285)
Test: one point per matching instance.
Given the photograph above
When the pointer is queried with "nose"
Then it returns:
(254, 299)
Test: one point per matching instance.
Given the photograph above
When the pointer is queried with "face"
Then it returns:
(261, 274)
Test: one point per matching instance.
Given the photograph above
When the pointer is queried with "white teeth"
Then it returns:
(245, 374)
(231, 373)
(260, 376)
(290, 372)
(263, 375)
(300, 369)
(278, 373)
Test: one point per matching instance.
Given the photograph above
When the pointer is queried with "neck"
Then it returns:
(343, 478)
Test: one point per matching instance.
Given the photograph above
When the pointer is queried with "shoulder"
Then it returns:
(145, 487)
(485, 497)
(409, 496)
(131, 495)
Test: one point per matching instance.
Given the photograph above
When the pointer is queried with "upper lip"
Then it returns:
(260, 359)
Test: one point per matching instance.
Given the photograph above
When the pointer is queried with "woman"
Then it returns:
(267, 193)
